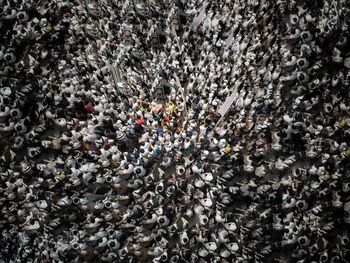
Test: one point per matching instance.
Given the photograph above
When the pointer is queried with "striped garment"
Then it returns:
(121, 137)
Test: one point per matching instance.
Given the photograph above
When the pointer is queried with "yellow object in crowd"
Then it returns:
(171, 107)
(228, 148)
(86, 146)
(347, 153)
(342, 123)
(62, 176)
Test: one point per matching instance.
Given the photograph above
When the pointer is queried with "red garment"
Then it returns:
(140, 121)
(89, 107)
(168, 117)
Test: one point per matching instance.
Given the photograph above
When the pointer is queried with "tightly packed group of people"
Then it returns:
(115, 146)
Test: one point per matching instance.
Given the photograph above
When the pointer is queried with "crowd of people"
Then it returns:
(114, 146)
